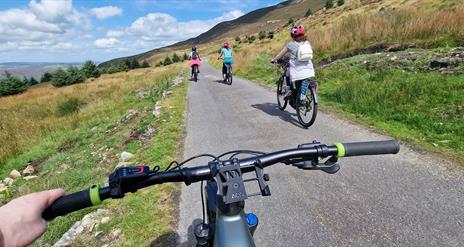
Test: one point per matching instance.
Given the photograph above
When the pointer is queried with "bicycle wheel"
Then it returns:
(195, 73)
(281, 102)
(229, 79)
(306, 109)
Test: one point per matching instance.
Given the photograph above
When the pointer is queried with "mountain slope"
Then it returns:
(266, 19)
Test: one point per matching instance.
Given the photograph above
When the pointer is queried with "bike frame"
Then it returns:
(230, 228)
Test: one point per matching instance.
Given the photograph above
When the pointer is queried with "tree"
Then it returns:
(59, 78)
(340, 2)
(33, 81)
(309, 12)
(74, 75)
(185, 56)
(89, 69)
(25, 80)
(270, 35)
(10, 85)
(175, 58)
(262, 35)
(329, 4)
(128, 64)
(46, 77)
(145, 64)
(167, 61)
(134, 64)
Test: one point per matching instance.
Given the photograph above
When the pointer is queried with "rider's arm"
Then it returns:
(220, 54)
(281, 54)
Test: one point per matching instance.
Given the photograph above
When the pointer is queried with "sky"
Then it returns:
(75, 31)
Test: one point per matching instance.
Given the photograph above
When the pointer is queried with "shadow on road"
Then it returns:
(222, 82)
(171, 239)
(273, 110)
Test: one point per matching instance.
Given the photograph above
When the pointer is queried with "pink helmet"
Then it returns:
(226, 44)
(297, 31)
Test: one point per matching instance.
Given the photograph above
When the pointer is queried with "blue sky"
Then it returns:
(74, 31)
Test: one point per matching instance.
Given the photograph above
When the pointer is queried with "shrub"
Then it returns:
(290, 22)
(340, 2)
(262, 35)
(251, 39)
(175, 58)
(329, 4)
(89, 69)
(59, 78)
(270, 35)
(46, 77)
(69, 106)
(10, 85)
(134, 64)
(185, 56)
(309, 12)
(167, 61)
(74, 75)
(237, 39)
(145, 64)
(33, 81)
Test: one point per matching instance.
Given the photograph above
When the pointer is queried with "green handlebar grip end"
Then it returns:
(94, 192)
(341, 150)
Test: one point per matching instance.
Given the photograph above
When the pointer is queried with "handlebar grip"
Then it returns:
(72, 202)
(368, 148)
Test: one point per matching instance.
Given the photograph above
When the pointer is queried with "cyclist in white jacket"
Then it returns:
(301, 66)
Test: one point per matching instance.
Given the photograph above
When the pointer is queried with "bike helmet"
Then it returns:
(226, 44)
(297, 31)
(194, 48)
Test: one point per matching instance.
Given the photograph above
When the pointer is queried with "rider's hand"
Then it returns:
(21, 219)
(273, 61)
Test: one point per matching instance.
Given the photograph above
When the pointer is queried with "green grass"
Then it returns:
(78, 147)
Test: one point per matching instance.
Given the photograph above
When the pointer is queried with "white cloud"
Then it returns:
(106, 12)
(115, 33)
(164, 27)
(107, 42)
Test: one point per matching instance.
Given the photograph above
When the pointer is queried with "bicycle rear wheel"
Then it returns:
(306, 109)
(281, 102)
(195, 73)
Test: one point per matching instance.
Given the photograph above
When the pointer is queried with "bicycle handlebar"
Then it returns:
(94, 195)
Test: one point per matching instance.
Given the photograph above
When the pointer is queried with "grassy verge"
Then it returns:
(82, 147)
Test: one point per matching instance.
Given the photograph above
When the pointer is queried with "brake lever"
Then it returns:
(329, 166)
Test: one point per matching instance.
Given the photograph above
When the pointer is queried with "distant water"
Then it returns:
(36, 69)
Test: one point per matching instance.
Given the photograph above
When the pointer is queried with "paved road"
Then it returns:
(409, 199)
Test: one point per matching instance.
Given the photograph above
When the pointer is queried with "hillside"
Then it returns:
(267, 19)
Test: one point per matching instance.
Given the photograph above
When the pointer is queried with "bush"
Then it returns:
(74, 75)
(309, 12)
(10, 85)
(89, 69)
(69, 106)
(262, 35)
(33, 81)
(59, 78)
(270, 35)
(340, 2)
(134, 64)
(145, 64)
(251, 39)
(185, 56)
(329, 4)
(237, 39)
(46, 77)
(290, 22)
(167, 61)
(175, 58)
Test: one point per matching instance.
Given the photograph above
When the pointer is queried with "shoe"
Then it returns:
(288, 94)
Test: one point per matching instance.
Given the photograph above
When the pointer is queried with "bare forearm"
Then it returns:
(281, 53)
